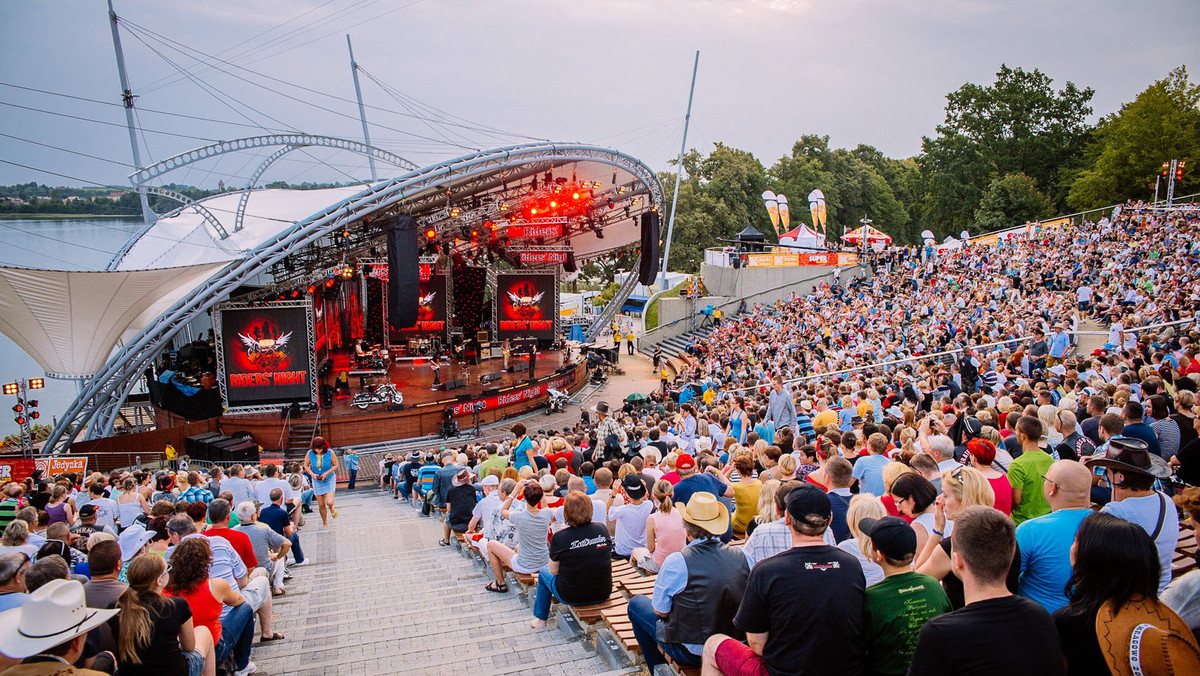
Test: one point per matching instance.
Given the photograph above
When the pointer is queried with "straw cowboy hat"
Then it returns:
(705, 511)
(1146, 637)
(54, 614)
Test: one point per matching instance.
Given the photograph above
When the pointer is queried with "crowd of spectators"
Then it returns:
(180, 567)
(916, 472)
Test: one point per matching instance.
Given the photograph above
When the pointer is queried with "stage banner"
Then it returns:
(433, 308)
(17, 469)
(266, 355)
(515, 396)
(533, 230)
(526, 305)
(541, 257)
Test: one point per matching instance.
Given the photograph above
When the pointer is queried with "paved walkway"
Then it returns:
(381, 597)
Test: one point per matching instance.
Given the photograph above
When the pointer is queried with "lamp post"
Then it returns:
(25, 410)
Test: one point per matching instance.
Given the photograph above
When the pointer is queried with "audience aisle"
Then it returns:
(370, 604)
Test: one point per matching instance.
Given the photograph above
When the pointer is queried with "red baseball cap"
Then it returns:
(685, 461)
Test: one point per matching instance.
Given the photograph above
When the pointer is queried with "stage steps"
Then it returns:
(674, 347)
(300, 436)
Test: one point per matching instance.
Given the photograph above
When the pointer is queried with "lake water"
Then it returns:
(56, 244)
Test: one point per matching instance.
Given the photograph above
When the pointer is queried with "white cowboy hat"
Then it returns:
(132, 540)
(52, 615)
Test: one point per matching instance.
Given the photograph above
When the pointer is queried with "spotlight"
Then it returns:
(553, 204)
(533, 211)
(295, 293)
(11, 388)
(35, 415)
(503, 207)
(431, 233)
(347, 271)
(20, 420)
(36, 384)
(489, 225)
(18, 408)
(455, 212)
(330, 282)
(312, 288)
(575, 196)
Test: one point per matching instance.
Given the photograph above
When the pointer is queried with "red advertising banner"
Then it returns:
(380, 271)
(532, 230)
(513, 397)
(17, 469)
(540, 257)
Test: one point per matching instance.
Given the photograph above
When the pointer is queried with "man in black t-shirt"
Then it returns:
(802, 608)
(996, 632)
(460, 503)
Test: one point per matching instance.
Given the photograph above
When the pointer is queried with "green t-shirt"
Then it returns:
(894, 611)
(497, 461)
(1025, 475)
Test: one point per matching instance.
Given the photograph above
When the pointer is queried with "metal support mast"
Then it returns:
(127, 97)
(679, 172)
(362, 112)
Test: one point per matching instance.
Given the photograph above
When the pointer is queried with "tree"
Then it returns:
(1009, 201)
(1129, 146)
(1019, 124)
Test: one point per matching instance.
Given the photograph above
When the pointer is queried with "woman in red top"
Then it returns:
(207, 597)
(983, 454)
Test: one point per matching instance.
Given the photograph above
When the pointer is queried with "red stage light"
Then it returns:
(533, 211)
(20, 420)
(431, 233)
(18, 408)
(553, 205)
(329, 283)
(575, 196)
(35, 415)
(312, 288)
(489, 225)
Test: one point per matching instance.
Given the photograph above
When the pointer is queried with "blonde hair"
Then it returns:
(663, 493)
(525, 472)
(98, 537)
(891, 472)
(863, 506)
(787, 464)
(137, 625)
(669, 461)
(766, 500)
(15, 534)
(970, 487)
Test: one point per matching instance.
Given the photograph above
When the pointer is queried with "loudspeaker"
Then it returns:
(465, 397)
(404, 283)
(569, 264)
(648, 263)
(395, 407)
(455, 384)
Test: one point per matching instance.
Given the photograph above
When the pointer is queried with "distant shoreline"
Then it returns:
(34, 216)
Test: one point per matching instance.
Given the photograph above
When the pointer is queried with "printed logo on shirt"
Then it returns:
(831, 565)
(599, 542)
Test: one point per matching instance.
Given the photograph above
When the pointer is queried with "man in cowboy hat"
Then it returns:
(783, 633)
(607, 429)
(1146, 637)
(1131, 469)
(697, 591)
(48, 632)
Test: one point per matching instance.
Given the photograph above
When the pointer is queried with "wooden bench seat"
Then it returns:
(1187, 556)
(618, 622)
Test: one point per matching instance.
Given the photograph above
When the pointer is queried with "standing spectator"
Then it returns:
(579, 571)
(744, 491)
(696, 592)
(1131, 469)
(895, 609)
(1025, 473)
(781, 407)
(60, 509)
(1113, 590)
(783, 634)
(980, 637)
(1045, 542)
(522, 445)
(350, 458)
(322, 464)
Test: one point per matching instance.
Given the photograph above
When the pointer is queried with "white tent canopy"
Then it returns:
(803, 236)
(70, 321)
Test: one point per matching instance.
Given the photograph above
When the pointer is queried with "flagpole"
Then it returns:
(678, 173)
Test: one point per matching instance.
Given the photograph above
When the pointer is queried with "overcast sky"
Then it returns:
(613, 72)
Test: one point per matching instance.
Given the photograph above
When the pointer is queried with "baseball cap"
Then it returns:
(685, 461)
(491, 480)
(891, 536)
(87, 511)
(808, 500)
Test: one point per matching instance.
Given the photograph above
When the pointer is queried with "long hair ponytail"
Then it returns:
(663, 491)
(137, 625)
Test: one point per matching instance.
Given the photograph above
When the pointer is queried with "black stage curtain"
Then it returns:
(373, 330)
(469, 283)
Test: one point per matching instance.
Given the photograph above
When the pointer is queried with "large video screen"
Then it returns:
(525, 305)
(267, 356)
(432, 309)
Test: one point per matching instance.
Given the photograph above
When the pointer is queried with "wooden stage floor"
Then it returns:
(414, 378)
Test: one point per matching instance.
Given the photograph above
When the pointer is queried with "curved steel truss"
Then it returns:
(100, 396)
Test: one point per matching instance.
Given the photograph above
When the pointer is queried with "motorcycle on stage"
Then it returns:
(383, 394)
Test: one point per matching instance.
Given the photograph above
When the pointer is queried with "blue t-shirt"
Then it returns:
(590, 483)
(1146, 512)
(1045, 546)
(274, 517)
(521, 455)
(698, 483)
(869, 472)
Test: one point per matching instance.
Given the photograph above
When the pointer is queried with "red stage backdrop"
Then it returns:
(525, 305)
(267, 356)
(432, 310)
